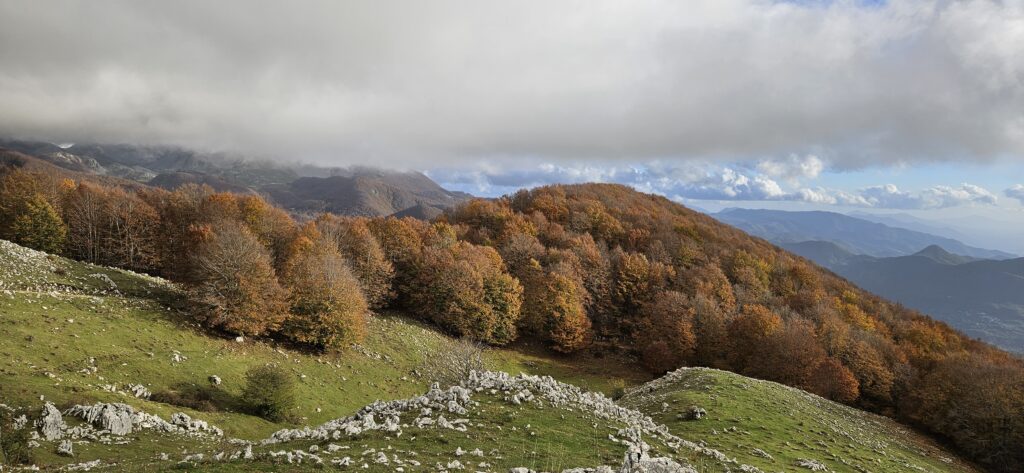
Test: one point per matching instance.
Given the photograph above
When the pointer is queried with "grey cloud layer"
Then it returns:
(422, 84)
(1016, 192)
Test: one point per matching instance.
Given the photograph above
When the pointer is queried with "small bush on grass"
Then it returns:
(269, 392)
(14, 449)
(192, 397)
(453, 362)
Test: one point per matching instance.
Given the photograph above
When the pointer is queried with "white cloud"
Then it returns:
(727, 184)
(891, 197)
(453, 82)
(1016, 192)
(792, 169)
(707, 181)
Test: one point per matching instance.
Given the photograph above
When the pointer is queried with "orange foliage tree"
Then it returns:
(665, 333)
(353, 239)
(236, 284)
(327, 306)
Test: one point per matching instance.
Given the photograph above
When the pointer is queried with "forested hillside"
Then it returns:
(586, 268)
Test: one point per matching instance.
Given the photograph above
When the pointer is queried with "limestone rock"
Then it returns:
(694, 413)
(813, 465)
(65, 448)
(139, 391)
(51, 424)
(115, 418)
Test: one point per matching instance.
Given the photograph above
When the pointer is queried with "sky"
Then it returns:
(886, 106)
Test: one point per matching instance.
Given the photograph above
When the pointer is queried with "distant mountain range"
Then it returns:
(300, 188)
(983, 298)
(976, 290)
(855, 235)
(369, 192)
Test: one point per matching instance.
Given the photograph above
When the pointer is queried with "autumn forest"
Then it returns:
(594, 268)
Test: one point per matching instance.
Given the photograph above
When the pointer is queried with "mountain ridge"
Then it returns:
(855, 234)
(355, 190)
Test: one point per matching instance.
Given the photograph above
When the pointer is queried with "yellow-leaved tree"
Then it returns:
(327, 306)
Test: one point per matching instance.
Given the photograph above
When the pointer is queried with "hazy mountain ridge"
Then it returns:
(356, 190)
(857, 235)
(364, 191)
(984, 298)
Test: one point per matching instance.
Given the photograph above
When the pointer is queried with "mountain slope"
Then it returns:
(77, 334)
(983, 298)
(366, 192)
(772, 427)
(356, 190)
(857, 235)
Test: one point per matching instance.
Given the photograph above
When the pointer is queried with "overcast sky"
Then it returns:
(896, 105)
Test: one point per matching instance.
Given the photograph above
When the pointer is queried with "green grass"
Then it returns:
(67, 336)
(786, 423)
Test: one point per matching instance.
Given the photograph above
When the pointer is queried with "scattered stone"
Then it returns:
(138, 391)
(106, 279)
(638, 459)
(86, 466)
(762, 454)
(121, 419)
(693, 413)
(65, 448)
(813, 465)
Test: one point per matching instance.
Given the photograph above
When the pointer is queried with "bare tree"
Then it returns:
(453, 362)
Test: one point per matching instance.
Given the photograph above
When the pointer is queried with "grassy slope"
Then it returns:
(786, 423)
(55, 316)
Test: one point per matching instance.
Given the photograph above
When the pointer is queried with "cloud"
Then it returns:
(451, 83)
(891, 197)
(793, 168)
(708, 181)
(1016, 192)
(728, 184)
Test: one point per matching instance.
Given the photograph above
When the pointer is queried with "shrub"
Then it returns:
(452, 363)
(14, 441)
(269, 392)
(192, 397)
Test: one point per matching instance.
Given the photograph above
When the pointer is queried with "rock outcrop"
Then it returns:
(51, 423)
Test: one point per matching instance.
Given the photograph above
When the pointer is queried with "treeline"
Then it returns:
(595, 268)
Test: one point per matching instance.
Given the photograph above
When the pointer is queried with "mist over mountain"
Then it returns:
(367, 192)
(302, 188)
